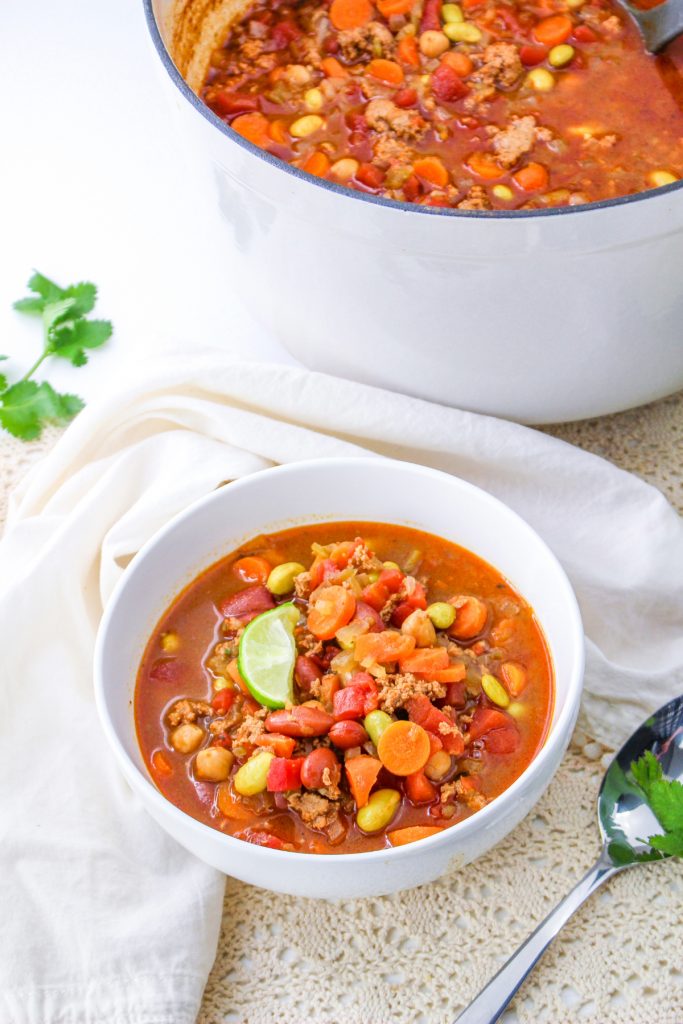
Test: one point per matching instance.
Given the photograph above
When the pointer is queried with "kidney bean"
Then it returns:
(167, 670)
(250, 601)
(306, 671)
(300, 721)
(365, 613)
(320, 768)
(348, 734)
(227, 103)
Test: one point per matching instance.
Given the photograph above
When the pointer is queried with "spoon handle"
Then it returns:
(487, 1007)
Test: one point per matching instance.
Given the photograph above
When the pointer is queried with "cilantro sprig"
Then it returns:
(665, 797)
(27, 405)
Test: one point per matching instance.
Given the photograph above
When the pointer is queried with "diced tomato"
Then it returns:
(455, 695)
(419, 789)
(447, 85)
(282, 746)
(341, 553)
(322, 571)
(422, 712)
(161, 764)
(284, 774)
(435, 743)
(502, 741)
(361, 774)
(223, 700)
(378, 593)
(485, 720)
(349, 702)
(365, 680)
(329, 685)
(250, 835)
(453, 742)
(250, 601)
(411, 188)
(401, 613)
(531, 55)
(284, 33)
(227, 102)
(405, 97)
(370, 176)
(584, 34)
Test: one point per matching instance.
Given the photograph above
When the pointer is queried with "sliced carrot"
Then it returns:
(485, 166)
(333, 608)
(234, 674)
(432, 170)
(403, 836)
(460, 62)
(161, 764)
(514, 676)
(331, 67)
(231, 805)
(252, 569)
(387, 71)
(253, 127)
(531, 178)
(553, 30)
(407, 51)
(318, 164)
(382, 647)
(282, 746)
(470, 617)
(404, 748)
(389, 8)
(361, 773)
(453, 674)
(278, 131)
(425, 661)
(350, 13)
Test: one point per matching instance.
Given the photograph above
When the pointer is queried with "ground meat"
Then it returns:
(251, 728)
(476, 199)
(448, 792)
(449, 728)
(390, 606)
(501, 66)
(316, 811)
(302, 585)
(363, 558)
(384, 115)
(611, 25)
(307, 51)
(395, 690)
(184, 711)
(593, 142)
(517, 138)
(308, 644)
(473, 799)
(368, 41)
(251, 49)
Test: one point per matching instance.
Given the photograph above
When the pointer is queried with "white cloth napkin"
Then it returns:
(104, 918)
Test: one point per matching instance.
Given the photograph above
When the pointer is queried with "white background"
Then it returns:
(94, 185)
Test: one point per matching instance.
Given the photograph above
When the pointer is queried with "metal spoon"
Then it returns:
(624, 819)
(659, 25)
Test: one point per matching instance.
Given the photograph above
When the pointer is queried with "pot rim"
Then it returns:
(349, 193)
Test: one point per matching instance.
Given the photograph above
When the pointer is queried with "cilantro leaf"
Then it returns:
(84, 293)
(47, 292)
(646, 770)
(53, 312)
(71, 338)
(665, 798)
(27, 406)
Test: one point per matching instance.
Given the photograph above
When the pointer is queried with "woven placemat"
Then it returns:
(419, 956)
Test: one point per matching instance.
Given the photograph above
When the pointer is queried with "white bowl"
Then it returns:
(365, 489)
(537, 316)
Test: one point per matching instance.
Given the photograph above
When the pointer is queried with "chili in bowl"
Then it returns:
(315, 716)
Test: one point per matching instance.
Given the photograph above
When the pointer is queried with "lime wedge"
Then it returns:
(267, 654)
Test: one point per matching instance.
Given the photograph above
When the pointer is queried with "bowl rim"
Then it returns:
(349, 193)
(557, 737)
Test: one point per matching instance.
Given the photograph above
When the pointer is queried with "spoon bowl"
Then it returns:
(626, 821)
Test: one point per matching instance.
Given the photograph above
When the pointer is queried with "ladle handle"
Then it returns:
(487, 1007)
(660, 24)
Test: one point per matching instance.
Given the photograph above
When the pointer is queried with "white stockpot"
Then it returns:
(537, 316)
(353, 490)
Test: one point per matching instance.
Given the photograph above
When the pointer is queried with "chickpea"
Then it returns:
(433, 43)
(297, 74)
(438, 765)
(213, 764)
(420, 626)
(186, 738)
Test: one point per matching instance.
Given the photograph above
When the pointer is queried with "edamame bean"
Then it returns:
(251, 778)
(462, 32)
(660, 178)
(375, 723)
(379, 810)
(561, 55)
(281, 578)
(451, 13)
(442, 614)
(494, 690)
(306, 125)
(540, 79)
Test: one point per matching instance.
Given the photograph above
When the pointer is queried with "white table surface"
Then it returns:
(94, 186)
